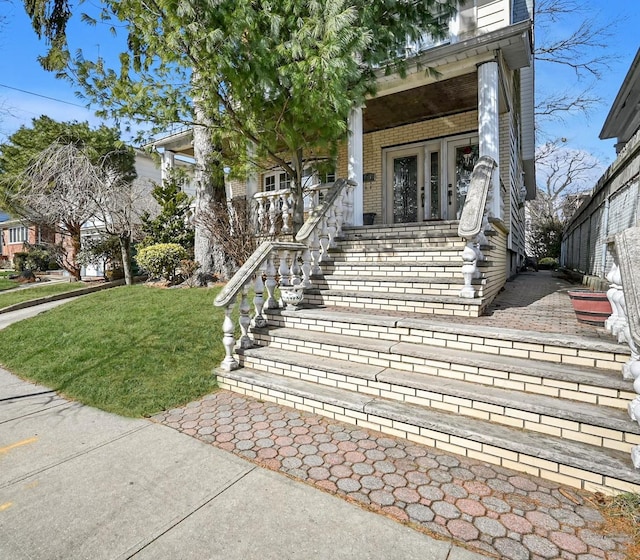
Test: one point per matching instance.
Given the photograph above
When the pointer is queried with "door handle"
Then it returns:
(449, 194)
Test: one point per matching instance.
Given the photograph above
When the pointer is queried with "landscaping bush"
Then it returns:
(161, 260)
(19, 261)
(36, 259)
(548, 263)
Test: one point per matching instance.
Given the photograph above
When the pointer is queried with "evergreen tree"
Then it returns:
(172, 224)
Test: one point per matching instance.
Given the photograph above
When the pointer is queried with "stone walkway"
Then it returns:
(488, 508)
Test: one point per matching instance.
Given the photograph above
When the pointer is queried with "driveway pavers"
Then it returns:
(490, 509)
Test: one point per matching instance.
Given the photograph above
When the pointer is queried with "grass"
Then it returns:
(132, 350)
(622, 515)
(37, 291)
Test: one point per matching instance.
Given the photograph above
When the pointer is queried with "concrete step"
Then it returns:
(428, 254)
(570, 417)
(339, 264)
(354, 245)
(574, 463)
(396, 302)
(566, 351)
(423, 285)
(402, 231)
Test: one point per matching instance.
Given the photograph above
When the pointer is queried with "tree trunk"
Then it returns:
(125, 251)
(209, 179)
(70, 261)
(298, 194)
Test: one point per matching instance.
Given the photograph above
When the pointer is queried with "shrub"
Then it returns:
(19, 261)
(548, 263)
(161, 260)
(36, 258)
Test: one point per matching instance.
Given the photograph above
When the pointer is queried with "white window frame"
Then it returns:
(18, 235)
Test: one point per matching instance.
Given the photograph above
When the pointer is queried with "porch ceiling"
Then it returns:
(437, 99)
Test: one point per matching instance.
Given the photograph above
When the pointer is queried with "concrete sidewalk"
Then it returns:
(76, 482)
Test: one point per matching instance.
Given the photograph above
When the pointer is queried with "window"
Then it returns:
(18, 234)
(269, 183)
(275, 181)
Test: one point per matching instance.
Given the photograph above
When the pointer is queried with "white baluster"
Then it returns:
(314, 249)
(245, 320)
(306, 268)
(331, 225)
(339, 212)
(286, 212)
(295, 271)
(284, 269)
(469, 270)
(228, 340)
(324, 240)
(273, 215)
(258, 299)
(348, 204)
(271, 284)
(261, 216)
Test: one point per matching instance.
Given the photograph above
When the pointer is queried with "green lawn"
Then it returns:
(129, 350)
(37, 291)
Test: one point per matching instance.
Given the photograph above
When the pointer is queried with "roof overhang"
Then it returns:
(179, 143)
(456, 59)
(623, 119)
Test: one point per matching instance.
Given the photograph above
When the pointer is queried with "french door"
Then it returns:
(428, 181)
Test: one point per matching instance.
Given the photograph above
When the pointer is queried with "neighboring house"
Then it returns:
(149, 173)
(614, 204)
(15, 234)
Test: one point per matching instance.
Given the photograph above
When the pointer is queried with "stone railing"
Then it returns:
(474, 221)
(287, 265)
(272, 211)
(624, 322)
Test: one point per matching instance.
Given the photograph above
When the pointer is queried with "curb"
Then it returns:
(65, 295)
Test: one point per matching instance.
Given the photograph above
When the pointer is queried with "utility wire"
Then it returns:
(43, 96)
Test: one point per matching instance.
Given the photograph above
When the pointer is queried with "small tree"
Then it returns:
(565, 176)
(172, 223)
(55, 191)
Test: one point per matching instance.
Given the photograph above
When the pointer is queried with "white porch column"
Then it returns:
(489, 126)
(355, 168)
(167, 163)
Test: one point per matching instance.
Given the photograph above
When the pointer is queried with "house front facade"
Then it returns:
(16, 235)
(411, 149)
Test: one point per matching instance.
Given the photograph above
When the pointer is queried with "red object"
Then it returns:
(592, 308)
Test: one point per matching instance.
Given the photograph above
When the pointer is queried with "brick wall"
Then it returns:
(375, 142)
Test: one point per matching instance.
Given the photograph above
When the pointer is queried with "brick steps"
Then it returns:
(397, 302)
(422, 285)
(568, 462)
(569, 416)
(373, 348)
(481, 339)
(578, 383)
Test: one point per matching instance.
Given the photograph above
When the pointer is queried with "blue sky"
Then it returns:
(19, 69)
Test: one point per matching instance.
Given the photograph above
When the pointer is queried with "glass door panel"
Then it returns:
(405, 189)
(465, 159)
(433, 207)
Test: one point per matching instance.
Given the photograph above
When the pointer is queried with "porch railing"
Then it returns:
(288, 265)
(272, 211)
(474, 221)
